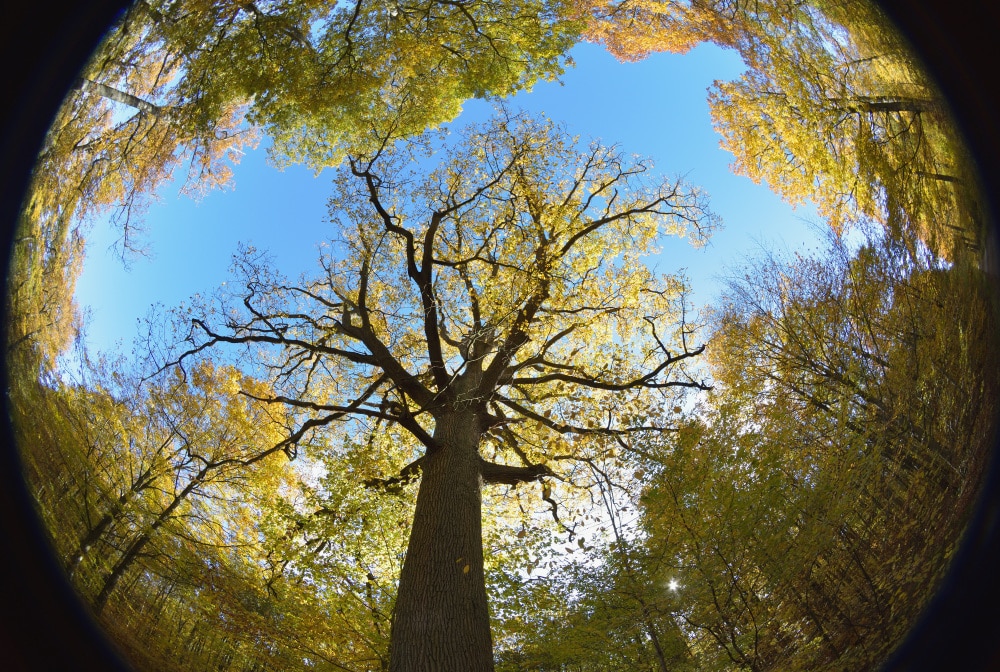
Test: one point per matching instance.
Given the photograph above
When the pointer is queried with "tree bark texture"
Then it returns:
(441, 621)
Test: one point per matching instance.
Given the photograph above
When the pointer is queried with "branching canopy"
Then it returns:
(506, 284)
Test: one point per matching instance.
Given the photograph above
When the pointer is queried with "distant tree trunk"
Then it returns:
(118, 571)
(119, 96)
(104, 523)
(89, 540)
(441, 621)
(135, 548)
(871, 104)
(651, 631)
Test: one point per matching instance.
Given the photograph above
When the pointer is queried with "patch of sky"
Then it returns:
(655, 108)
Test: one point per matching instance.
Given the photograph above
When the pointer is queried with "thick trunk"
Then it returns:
(441, 621)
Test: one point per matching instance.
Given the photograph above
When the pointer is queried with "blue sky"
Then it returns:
(655, 108)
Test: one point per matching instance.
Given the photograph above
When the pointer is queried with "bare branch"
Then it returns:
(647, 381)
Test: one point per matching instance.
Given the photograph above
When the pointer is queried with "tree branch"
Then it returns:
(646, 381)
(510, 475)
(406, 475)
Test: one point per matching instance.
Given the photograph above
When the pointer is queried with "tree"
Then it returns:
(833, 108)
(633, 29)
(852, 125)
(871, 403)
(176, 85)
(205, 439)
(876, 337)
(319, 75)
(143, 466)
(119, 135)
(607, 601)
(492, 306)
(802, 513)
(190, 552)
(316, 75)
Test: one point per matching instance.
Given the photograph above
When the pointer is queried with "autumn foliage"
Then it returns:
(485, 435)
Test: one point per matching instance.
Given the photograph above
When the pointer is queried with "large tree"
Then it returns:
(495, 306)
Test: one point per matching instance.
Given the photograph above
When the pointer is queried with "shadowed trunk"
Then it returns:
(441, 621)
(89, 540)
(116, 511)
(135, 548)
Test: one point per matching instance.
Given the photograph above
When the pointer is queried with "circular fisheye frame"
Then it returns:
(394, 335)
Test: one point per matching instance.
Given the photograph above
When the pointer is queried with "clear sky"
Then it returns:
(655, 108)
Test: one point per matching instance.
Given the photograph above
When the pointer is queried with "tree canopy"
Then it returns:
(189, 85)
(795, 520)
(833, 109)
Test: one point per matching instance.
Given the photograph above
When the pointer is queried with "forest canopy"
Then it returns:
(485, 435)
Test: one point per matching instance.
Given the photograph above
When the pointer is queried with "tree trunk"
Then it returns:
(661, 661)
(118, 571)
(441, 621)
(118, 96)
(89, 540)
(871, 104)
(135, 548)
(117, 508)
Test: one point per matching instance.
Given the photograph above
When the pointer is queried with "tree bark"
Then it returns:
(441, 621)
(119, 96)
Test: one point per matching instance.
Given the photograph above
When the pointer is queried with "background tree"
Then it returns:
(833, 108)
(802, 514)
(193, 554)
(490, 307)
(877, 333)
(851, 123)
(608, 601)
(177, 85)
(851, 464)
